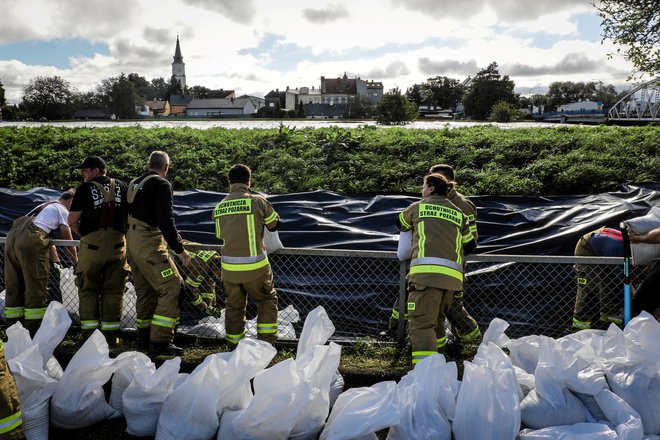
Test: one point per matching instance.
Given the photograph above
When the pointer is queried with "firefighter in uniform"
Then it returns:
(27, 261)
(466, 327)
(441, 238)
(199, 281)
(603, 242)
(151, 229)
(10, 407)
(240, 219)
(98, 216)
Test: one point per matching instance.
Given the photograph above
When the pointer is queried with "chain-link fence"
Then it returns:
(535, 294)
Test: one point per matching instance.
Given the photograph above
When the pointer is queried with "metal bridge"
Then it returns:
(642, 104)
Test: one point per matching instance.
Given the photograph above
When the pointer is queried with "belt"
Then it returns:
(94, 247)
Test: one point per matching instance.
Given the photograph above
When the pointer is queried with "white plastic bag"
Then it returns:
(143, 399)
(361, 412)
(125, 375)
(582, 431)
(538, 413)
(628, 424)
(55, 324)
(272, 241)
(316, 331)
(644, 253)
(404, 248)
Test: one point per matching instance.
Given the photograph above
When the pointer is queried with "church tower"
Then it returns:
(178, 66)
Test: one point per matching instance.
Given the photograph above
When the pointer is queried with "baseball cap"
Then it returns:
(92, 162)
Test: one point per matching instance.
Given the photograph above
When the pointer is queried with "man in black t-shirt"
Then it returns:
(98, 215)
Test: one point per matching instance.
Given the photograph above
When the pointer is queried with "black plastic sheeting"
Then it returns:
(361, 303)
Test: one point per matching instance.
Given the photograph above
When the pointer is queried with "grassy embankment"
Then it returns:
(490, 161)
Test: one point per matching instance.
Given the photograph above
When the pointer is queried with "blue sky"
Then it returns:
(254, 46)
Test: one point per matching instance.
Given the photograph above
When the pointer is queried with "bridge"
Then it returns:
(641, 105)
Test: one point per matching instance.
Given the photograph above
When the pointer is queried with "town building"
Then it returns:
(220, 107)
(178, 66)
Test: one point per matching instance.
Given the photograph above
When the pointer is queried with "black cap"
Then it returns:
(92, 162)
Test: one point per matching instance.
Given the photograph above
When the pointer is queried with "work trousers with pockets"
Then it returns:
(101, 278)
(264, 295)
(10, 408)
(157, 282)
(27, 264)
(427, 307)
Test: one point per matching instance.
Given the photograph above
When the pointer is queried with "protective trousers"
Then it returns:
(594, 279)
(101, 278)
(262, 292)
(157, 282)
(26, 273)
(10, 408)
(427, 307)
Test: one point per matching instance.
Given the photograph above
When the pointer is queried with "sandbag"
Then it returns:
(272, 241)
(582, 431)
(537, 412)
(208, 326)
(628, 424)
(143, 398)
(125, 375)
(51, 332)
(524, 352)
(645, 253)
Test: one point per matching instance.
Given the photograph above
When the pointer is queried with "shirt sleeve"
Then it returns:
(78, 203)
(405, 221)
(165, 217)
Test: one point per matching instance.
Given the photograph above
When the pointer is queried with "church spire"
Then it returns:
(178, 66)
(177, 52)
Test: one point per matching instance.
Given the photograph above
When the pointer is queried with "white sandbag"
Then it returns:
(581, 431)
(195, 400)
(495, 333)
(35, 388)
(317, 329)
(208, 326)
(336, 387)
(125, 375)
(272, 241)
(426, 398)
(361, 412)
(524, 352)
(283, 384)
(494, 414)
(143, 398)
(53, 329)
(537, 413)
(644, 253)
(79, 399)
(526, 381)
(404, 247)
(628, 424)
(18, 340)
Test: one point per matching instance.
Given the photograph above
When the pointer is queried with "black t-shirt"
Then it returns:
(153, 205)
(89, 200)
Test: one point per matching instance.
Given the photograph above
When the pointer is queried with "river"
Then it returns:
(269, 123)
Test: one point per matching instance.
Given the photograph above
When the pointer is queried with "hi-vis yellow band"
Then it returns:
(230, 207)
(429, 210)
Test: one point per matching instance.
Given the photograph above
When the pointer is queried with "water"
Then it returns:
(268, 124)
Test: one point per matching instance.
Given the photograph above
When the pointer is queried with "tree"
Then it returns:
(504, 112)
(49, 97)
(443, 92)
(564, 92)
(395, 109)
(359, 108)
(3, 101)
(415, 94)
(635, 25)
(120, 96)
(487, 88)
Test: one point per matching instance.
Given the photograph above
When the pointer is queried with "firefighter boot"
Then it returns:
(143, 335)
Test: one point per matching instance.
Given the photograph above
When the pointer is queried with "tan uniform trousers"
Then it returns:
(157, 282)
(101, 278)
(26, 273)
(10, 408)
(262, 292)
(427, 307)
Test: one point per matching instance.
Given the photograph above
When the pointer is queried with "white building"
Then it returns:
(580, 106)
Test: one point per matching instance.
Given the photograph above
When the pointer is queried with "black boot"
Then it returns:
(164, 349)
(143, 338)
(112, 337)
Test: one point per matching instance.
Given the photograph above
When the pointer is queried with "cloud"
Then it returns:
(157, 36)
(395, 69)
(320, 16)
(246, 77)
(240, 11)
(572, 63)
(446, 67)
(506, 10)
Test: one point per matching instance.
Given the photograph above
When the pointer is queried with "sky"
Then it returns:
(255, 46)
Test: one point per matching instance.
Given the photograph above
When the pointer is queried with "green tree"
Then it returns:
(120, 96)
(49, 97)
(487, 89)
(443, 92)
(395, 109)
(635, 25)
(359, 108)
(504, 112)
(415, 94)
(3, 101)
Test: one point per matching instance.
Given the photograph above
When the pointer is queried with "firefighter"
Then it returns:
(10, 408)
(240, 219)
(592, 279)
(98, 216)
(441, 238)
(27, 260)
(199, 281)
(151, 229)
(466, 327)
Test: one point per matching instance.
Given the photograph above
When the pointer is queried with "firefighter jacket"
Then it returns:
(468, 209)
(239, 222)
(440, 231)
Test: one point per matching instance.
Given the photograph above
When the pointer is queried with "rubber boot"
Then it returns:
(143, 338)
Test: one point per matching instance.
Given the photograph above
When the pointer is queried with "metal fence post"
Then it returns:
(403, 305)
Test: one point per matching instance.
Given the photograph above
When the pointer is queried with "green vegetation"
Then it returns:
(489, 160)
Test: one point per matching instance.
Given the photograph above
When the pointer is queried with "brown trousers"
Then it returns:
(262, 292)
(156, 279)
(26, 273)
(427, 307)
(10, 408)
(101, 278)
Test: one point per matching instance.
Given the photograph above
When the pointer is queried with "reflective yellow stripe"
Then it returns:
(467, 238)
(163, 321)
(235, 338)
(610, 318)
(208, 295)
(245, 267)
(110, 325)
(474, 334)
(37, 313)
(89, 324)
(143, 323)
(252, 239)
(10, 423)
(217, 228)
(582, 325)
(403, 221)
(395, 314)
(205, 256)
(198, 301)
(421, 241)
(459, 246)
(442, 341)
(192, 282)
(267, 328)
(14, 312)
(271, 218)
(419, 355)
(428, 268)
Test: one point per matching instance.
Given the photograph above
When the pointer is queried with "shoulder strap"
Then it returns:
(39, 208)
(108, 196)
(133, 188)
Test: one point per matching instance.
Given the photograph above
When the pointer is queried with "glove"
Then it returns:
(212, 311)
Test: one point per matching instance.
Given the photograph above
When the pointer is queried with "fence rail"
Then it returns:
(535, 294)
